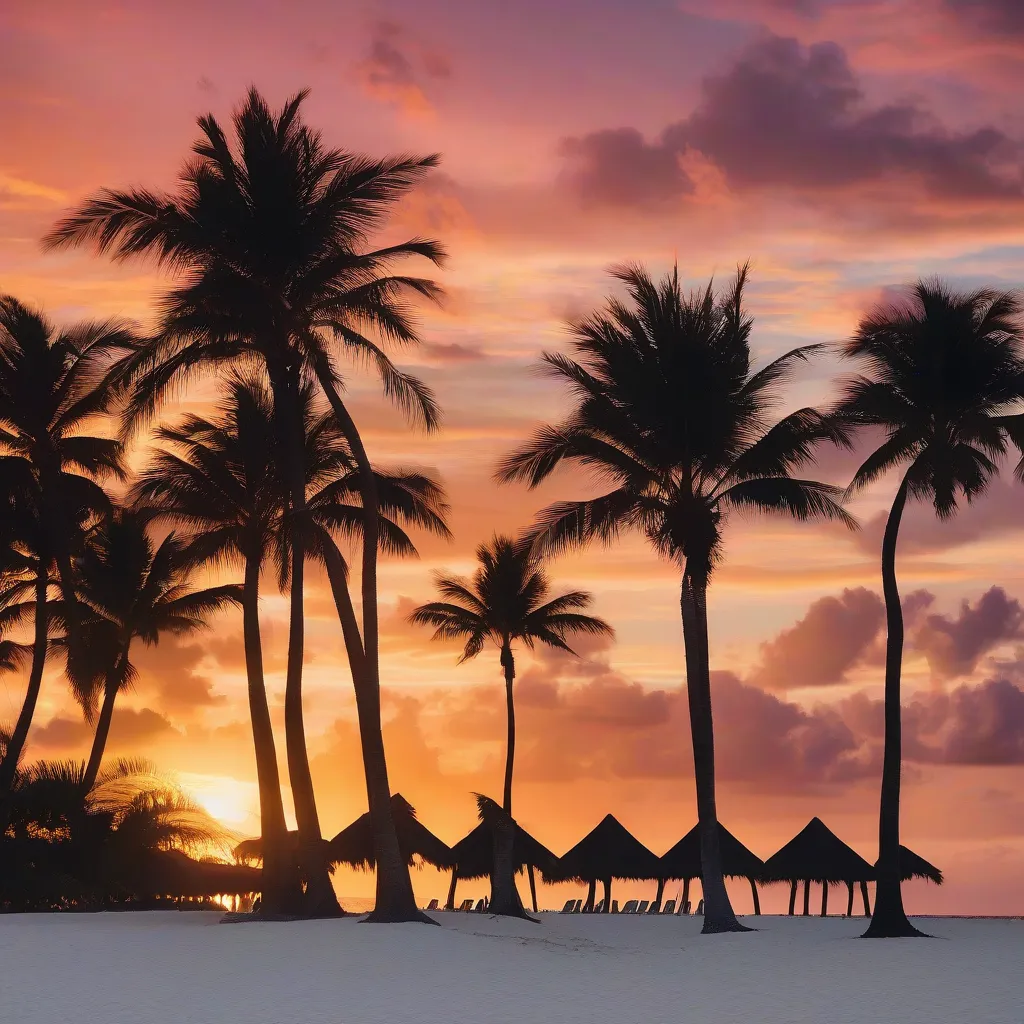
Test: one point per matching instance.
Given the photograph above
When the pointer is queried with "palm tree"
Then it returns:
(134, 589)
(505, 603)
(217, 480)
(669, 412)
(222, 483)
(50, 463)
(270, 237)
(941, 371)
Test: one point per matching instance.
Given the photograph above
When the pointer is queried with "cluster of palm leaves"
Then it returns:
(75, 843)
(267, 236)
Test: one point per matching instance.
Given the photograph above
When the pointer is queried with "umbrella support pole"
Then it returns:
(824, 899)
(533, 886)
(792, 897)
(849, 903)
(757, 900)
(864, 896)
(686, 896)
(450, 902)
(807, 897)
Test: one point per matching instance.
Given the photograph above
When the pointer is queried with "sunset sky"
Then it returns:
(845, 147)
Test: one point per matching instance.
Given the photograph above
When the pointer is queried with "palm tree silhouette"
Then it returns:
(502, 604)
(133, 590)
(220, 480)
(669, 411)
(50, 464)
(270, 237)
(941, 372)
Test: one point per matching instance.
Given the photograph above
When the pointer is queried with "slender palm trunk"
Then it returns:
(509, 665)
(395, 900)
(282, 893)
(16, 744)
(718, 912)
(99, 739)
(889, 919)
(321, 900)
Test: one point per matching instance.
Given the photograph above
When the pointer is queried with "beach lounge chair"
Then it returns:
(615, 906)
(684, 908)
(642, 906)
(481, 906)
(700, 909)
(599, 909)
(654, 908)
(434, 905)
(669, 908)
(570, 905)
(630, 907)
(466, 905)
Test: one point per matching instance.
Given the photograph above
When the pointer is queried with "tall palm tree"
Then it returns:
(220, 480)
(217, 480)
(51, 464)
(134, 589)
(270, 237)
(941, 373)
(669, 412)
(504, 603)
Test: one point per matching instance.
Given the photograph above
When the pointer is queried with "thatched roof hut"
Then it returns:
(171, 873)
(683, 860)
(473, 854)
(914, 866)
(473, 857)
(817, 854)
(250, 851)
(608, 851)
(354, 845)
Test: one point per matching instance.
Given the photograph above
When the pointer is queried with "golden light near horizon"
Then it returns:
(231, 801)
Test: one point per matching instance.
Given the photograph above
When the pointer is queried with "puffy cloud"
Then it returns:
(618, 166)
(831, 638)
(395, 66)
(795, 117)
(128, 727)
(171, 668)
(973, 725)
(953, 646)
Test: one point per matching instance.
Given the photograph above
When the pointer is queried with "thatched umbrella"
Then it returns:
(609, 851)
(914, 866)
(354, 845)
(473, 857)
(684, 861)
(250, 851)
(817, 854)
(172, 873)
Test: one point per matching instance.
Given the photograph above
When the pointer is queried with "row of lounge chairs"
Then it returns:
(633, 907)
(576, 907)
(466, 906)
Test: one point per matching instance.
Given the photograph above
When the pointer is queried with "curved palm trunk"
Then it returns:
(718, 912)
(321, 900)
(99, 739)
(16, 744)
(509, 665)
(889, 919)
(282, 894)
(395, 900)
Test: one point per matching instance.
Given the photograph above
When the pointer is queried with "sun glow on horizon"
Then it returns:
(231, 801)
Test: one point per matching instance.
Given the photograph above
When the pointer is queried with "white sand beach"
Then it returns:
(187, 968)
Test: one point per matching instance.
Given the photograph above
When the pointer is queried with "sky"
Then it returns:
(845, 148)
